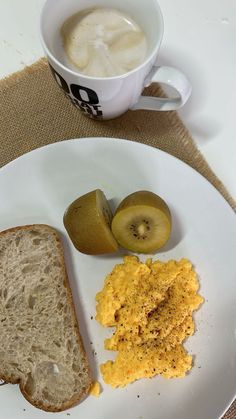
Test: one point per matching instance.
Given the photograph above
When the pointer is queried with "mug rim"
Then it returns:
(84, 76)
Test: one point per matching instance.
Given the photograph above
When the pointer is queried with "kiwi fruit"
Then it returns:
(87, 221)
(142, 222)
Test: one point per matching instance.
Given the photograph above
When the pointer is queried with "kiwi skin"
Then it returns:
(144, 198)
(137, 202)
(87, 221)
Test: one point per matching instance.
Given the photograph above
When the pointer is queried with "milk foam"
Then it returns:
(103, 42)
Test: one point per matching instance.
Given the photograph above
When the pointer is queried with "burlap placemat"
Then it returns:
(34, 112)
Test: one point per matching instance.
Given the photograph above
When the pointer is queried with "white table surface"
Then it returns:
(199, 39)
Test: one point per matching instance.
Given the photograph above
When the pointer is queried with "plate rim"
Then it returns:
(123, 141)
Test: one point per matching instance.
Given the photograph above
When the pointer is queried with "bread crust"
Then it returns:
(9, 380)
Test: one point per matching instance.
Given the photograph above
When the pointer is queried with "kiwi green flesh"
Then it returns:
(141, 228)
(87, 221)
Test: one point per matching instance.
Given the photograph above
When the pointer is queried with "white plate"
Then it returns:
(37, 187)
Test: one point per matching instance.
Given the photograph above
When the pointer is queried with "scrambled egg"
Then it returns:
(95, 389)
(150, 305)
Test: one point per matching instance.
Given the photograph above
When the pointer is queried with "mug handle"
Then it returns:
(171, 77)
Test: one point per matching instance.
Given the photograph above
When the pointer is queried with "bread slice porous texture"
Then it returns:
(41, 347)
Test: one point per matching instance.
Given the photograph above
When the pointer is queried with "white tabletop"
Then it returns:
(199, 39)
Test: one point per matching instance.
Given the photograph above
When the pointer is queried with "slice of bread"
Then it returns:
(41, 348)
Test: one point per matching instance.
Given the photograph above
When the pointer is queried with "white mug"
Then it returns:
(109, 97)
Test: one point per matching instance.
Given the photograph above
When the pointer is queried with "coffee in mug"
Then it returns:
(103, 42)
(104, 88)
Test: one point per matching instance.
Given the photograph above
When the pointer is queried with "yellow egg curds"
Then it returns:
(150, 305)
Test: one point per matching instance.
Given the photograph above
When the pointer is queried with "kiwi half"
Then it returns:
(87, 221)
(142, 222)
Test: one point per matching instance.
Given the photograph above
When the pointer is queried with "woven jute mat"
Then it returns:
(34, 112)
